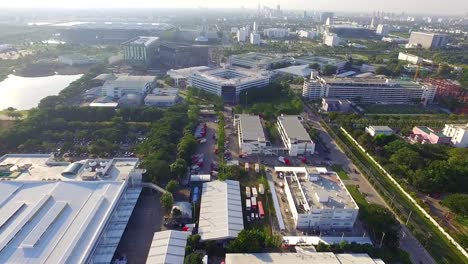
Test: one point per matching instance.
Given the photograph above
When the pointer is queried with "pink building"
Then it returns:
(426, 135)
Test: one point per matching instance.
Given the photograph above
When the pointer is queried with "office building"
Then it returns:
(294, 135)
(255, 38)
(181, 76)
(276, 33)
(255, 60)
(458, 133)
(250, 134)
(241, 35)
(60, 212)
(428, 40)
(324, 16)
(301, 258)
(321, 61)
(307, 34)
(331, 40)
(383, 30)
(379, 130)
(179, 55)
(335, 105)
(427, 135)
(221, 216)
(128, 85)
(296, 70)
(168, 247)
(410, 58)
(318, 199)
(229, 82)
(255, 26)
(140, 51)
(369, 90)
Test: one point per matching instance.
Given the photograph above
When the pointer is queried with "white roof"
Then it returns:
(168, 247)
(130, 81)
(300, 258)
(294, 128)
(186, 72)
(220, 211)
(251, 128)
(298, 70)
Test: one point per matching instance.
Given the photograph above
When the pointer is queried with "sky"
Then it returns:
(398, 6)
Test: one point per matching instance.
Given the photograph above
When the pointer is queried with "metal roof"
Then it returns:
(301, 258)
(251, 128)
(168, 247)
(294, 128)
(220, 211)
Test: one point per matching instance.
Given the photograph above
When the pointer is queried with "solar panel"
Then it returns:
(33, 238)
(9, 211)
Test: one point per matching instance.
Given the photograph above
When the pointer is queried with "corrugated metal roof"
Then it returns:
(168, 247)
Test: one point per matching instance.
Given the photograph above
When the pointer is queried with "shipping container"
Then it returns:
(261, 212)
(254, 192)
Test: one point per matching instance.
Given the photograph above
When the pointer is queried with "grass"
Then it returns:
(341, 173)
(356, 194)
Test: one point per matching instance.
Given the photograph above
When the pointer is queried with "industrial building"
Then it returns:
(255, 60)
(369, 90)
(60, 212)
(427, 40)
(221, 216)
(321, 61)
(296, 70)
(140, 51)
(128, 85)
(318, 199)
(379, 130)
(458, 133)
(294, 135)
(351, 31)
(229, 82)
(335, 105)
(301, 258)
(250, 134)
(168, 247)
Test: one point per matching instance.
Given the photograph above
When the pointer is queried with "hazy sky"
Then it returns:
(408, 6)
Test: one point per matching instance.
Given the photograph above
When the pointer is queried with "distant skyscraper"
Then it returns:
(305, 14)
(255, 27)
(329, 22)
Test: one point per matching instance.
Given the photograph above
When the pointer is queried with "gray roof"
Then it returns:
(168, 247)
(381, 128)
(294, 128)
(251, 128)
(301, 258)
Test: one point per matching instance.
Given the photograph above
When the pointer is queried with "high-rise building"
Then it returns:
(241, 35)
(383, 30)
(254, 38)
(331, 40)
(276, 32)
(428, 40)
(255, 26)
(325, 15)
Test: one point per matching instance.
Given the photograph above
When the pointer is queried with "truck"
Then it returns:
(261, 189)
(247, 192)
(254, 192)
(248, 204)
(254, 202)
(257, 167)
(261, 212)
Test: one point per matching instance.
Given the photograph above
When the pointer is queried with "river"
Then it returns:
(25, 93)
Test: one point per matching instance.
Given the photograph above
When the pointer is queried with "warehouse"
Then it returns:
(168, 247)
(294, 136)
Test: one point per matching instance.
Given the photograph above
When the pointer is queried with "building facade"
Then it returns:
(255, 38)
(410, 58)
(331, 40)
(177, 55)
(140, 51)
(276, 33)
(428, 40)
(294, 135)
(128, 85)
(250, 134)
(379, 130)
(383, 30)
(458, 133)
(369, 90)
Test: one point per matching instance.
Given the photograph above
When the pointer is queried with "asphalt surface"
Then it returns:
(408, 242)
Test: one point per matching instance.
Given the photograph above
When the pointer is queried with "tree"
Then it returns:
(458, 203)
(314, 66)
(382, 70)
(380, 220)
(157, 169)
(171, 186)
(178, 168)
(444, 70)
(329, 70)
(194, 258)
(167, 200)
(248, 241)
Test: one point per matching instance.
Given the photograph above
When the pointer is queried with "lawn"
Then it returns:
(341, 173)
(356, 194)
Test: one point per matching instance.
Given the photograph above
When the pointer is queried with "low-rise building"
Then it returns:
(427, 40)
(335, 105)
(229, 82)
(181, 76)
(250, 134)
(321, 61)
(426, 135)
(301, 258)
(294, 135)
(160, 100)
(255, 60)
(61, 212)
(458, 133)
(130, 100)
(379, 130)
(410, 58)
(76, 59)
(221, 216)
(181, 55)
(168, 247)
(318, 199)
(296, 70)
(128, 85)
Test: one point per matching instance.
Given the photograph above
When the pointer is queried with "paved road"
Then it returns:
(408, 242)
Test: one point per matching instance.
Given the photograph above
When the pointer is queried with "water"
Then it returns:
(25, 92)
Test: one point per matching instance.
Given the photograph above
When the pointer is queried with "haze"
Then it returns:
(428, 6)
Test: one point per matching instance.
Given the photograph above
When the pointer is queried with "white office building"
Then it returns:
(229, 82)
(255, 38)
(383, 29)
(57, 212)
(294, 135)
(331, 40)
(242, 35)
(458, 133)
(221, 216)
(276, 33)
(250, 134)
(318, 199)
(128, 85)
(307, 34)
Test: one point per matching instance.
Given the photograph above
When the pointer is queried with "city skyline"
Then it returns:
(449, 7)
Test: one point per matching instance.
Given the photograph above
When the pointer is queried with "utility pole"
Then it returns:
(409, 215)
(381, 240)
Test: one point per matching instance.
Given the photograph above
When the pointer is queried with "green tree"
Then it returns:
(194, 258)
(167, 200)
(248, 241)
(458, 203)
(171, 186)
(314, 66)
(329, 70)
(178, 168)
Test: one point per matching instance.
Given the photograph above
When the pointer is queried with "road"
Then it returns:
(407, 241)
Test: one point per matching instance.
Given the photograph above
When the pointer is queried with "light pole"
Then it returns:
(381, 240)
(409, 215)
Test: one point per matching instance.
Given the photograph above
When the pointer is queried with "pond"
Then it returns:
(25, 93)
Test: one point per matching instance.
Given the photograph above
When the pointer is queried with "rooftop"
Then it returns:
(142, 40)
(220, 211)
(186, 72)
(294, 128)
(316, 188)
(168, 247)
(231, 75)
(372, 81)
(308, 59)
(258, 58)
(301, 258)
(381, 128)
(250, 128)
(298, 70)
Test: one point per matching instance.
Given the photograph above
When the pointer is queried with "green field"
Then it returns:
(356, 194)
(341, 173)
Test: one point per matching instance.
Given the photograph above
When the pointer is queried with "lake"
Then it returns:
(25, 92)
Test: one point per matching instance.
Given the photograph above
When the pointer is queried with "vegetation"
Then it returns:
(251, 241)
(167, 200)
(341, 173)
(171, 186)
(458, 203)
